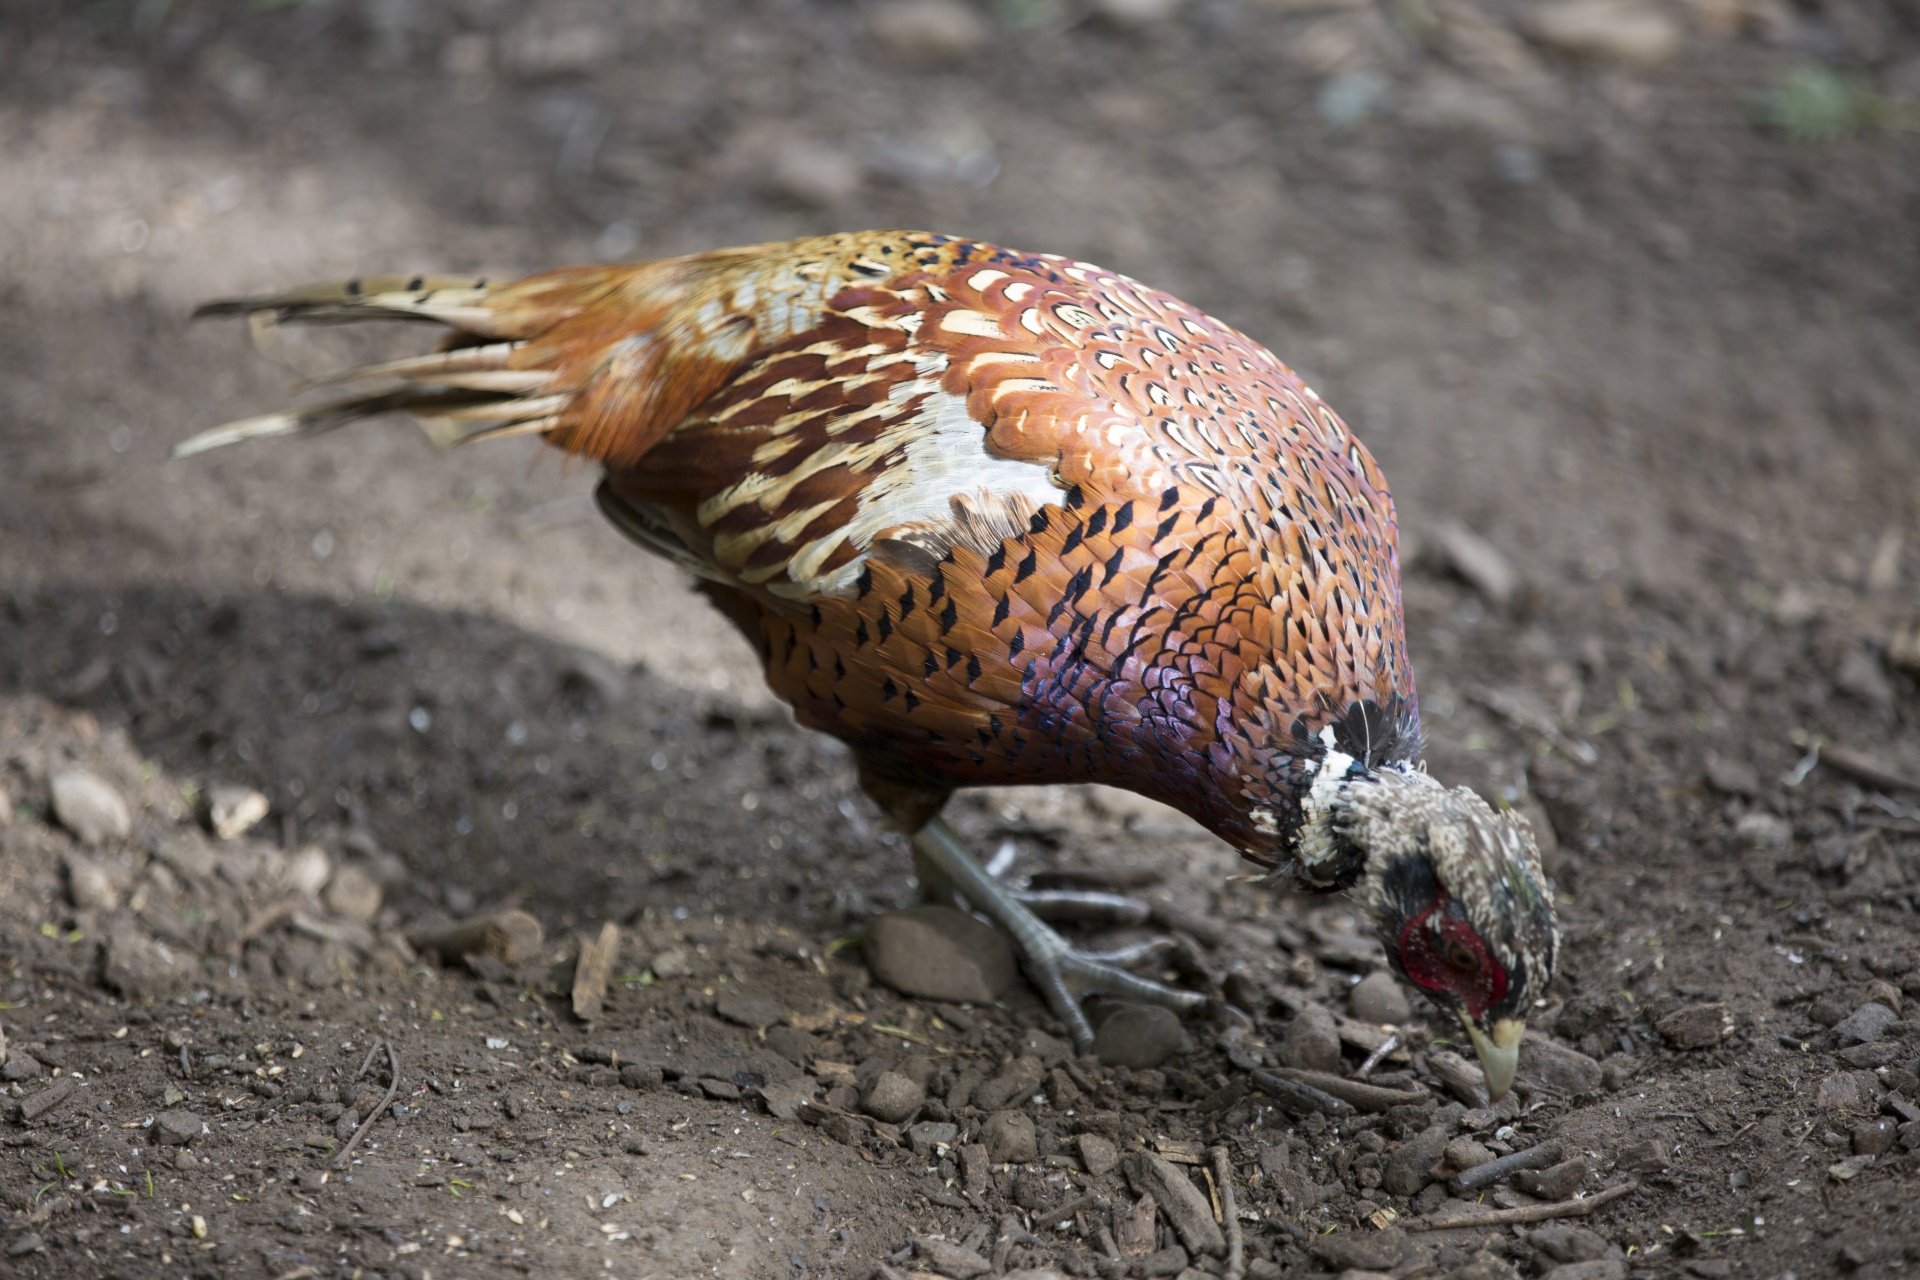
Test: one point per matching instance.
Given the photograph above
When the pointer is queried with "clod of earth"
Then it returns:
(1140, 1036)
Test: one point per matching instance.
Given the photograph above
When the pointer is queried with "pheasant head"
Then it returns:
(1455, 890)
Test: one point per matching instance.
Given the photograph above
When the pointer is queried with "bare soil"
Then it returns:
(1661, 357)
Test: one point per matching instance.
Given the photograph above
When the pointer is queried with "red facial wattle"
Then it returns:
(1441, 951)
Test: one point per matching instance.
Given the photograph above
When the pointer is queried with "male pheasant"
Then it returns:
(998, 518)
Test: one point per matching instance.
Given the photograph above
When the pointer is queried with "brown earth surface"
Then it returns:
(1642, 368)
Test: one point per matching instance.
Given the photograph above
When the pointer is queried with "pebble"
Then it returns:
(1547, 1064)
(1410, 1166)
(1627, 31)
(1598, 1269)
(1465, 1153)
(927, 1137)
(21, 1067)
(1733, 777)
(747, 1009)
(814, 174)
(892, 1097)
(671, 963)
(1563, 1243)
(1378, 998)
(1648, 1156)
(1051, 1050)
(177, 1127)
(1014, 1086)
(1098, 1155)
(308, 871)
(1555, 1183)
(926, 29)
(1866, 1024)
(1009, 1138)
(354, 893)
(26, 1244)
(88, 806)
(938, 953)
(793, 1044)
(1697, 1026)
(1139, 1036)
(1312, 1041)
(1875, 1137)
(139, 968)
(90, 887)
(1849, 1091)
(1761, 830)
(183, 1160)
(1361, 1251)
(234, 811)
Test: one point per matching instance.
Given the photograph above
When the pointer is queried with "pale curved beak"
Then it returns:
(1499, 1052)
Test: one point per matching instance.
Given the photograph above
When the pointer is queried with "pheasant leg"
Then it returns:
(1063, 975)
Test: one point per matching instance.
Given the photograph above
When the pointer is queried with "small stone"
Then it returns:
(1866, 1024)
(26, 1244)
(1465, 1153)
(1012, 1087)
(1598, 1269)
(1762, 830)
(892, 1097)
(1733, 777)
(1050, 1050)
(354, 893)
(1409, 1167)
(813, 173)
(1098, 1155)
(1547, 1064)
(1378, 998)
(1648, 1156)
(307, 871)
(926, 29)
(671, 963)
(1875, 1137)
(1139, 1036)
(234, 811)
(178, 1127)
(1830, 1008)
(1563, 1243)
(929, 1136)
(1554, 1183)
(747, 1008)
(183, 1160)
(1311, 1042)
(1883, 992)
(90, 887)
(1361, 1251)
(140, 968)
(976, 1168)
(793, 1044)
(1849, 1091)
(1010, 1138)
(786, 1101)
(938, 953)
(640, 1075)
(22, 1067)
(1626, 31)
(88, 806)
(1697, 1026)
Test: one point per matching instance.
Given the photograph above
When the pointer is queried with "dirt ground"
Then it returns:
(1641, 364)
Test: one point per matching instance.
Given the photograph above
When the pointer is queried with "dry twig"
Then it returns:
(1527, 1213)
(393, 1088)
(1230, 1210)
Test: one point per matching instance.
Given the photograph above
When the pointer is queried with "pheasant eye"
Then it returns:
(1461, 958)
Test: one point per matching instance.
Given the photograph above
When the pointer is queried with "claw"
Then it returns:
(1063, 975)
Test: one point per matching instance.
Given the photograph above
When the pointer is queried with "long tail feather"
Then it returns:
(455, 300)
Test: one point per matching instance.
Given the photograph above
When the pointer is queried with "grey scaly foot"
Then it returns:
(1063, 975)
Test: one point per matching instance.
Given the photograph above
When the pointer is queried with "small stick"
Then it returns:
(393, 1087)
(1387, 1046)
(279, 913)
(1527, 1213)
(1539, 1157)
(1236, 1247)
(1054, 1217)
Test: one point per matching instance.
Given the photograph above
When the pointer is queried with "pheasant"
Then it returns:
(999, 518)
